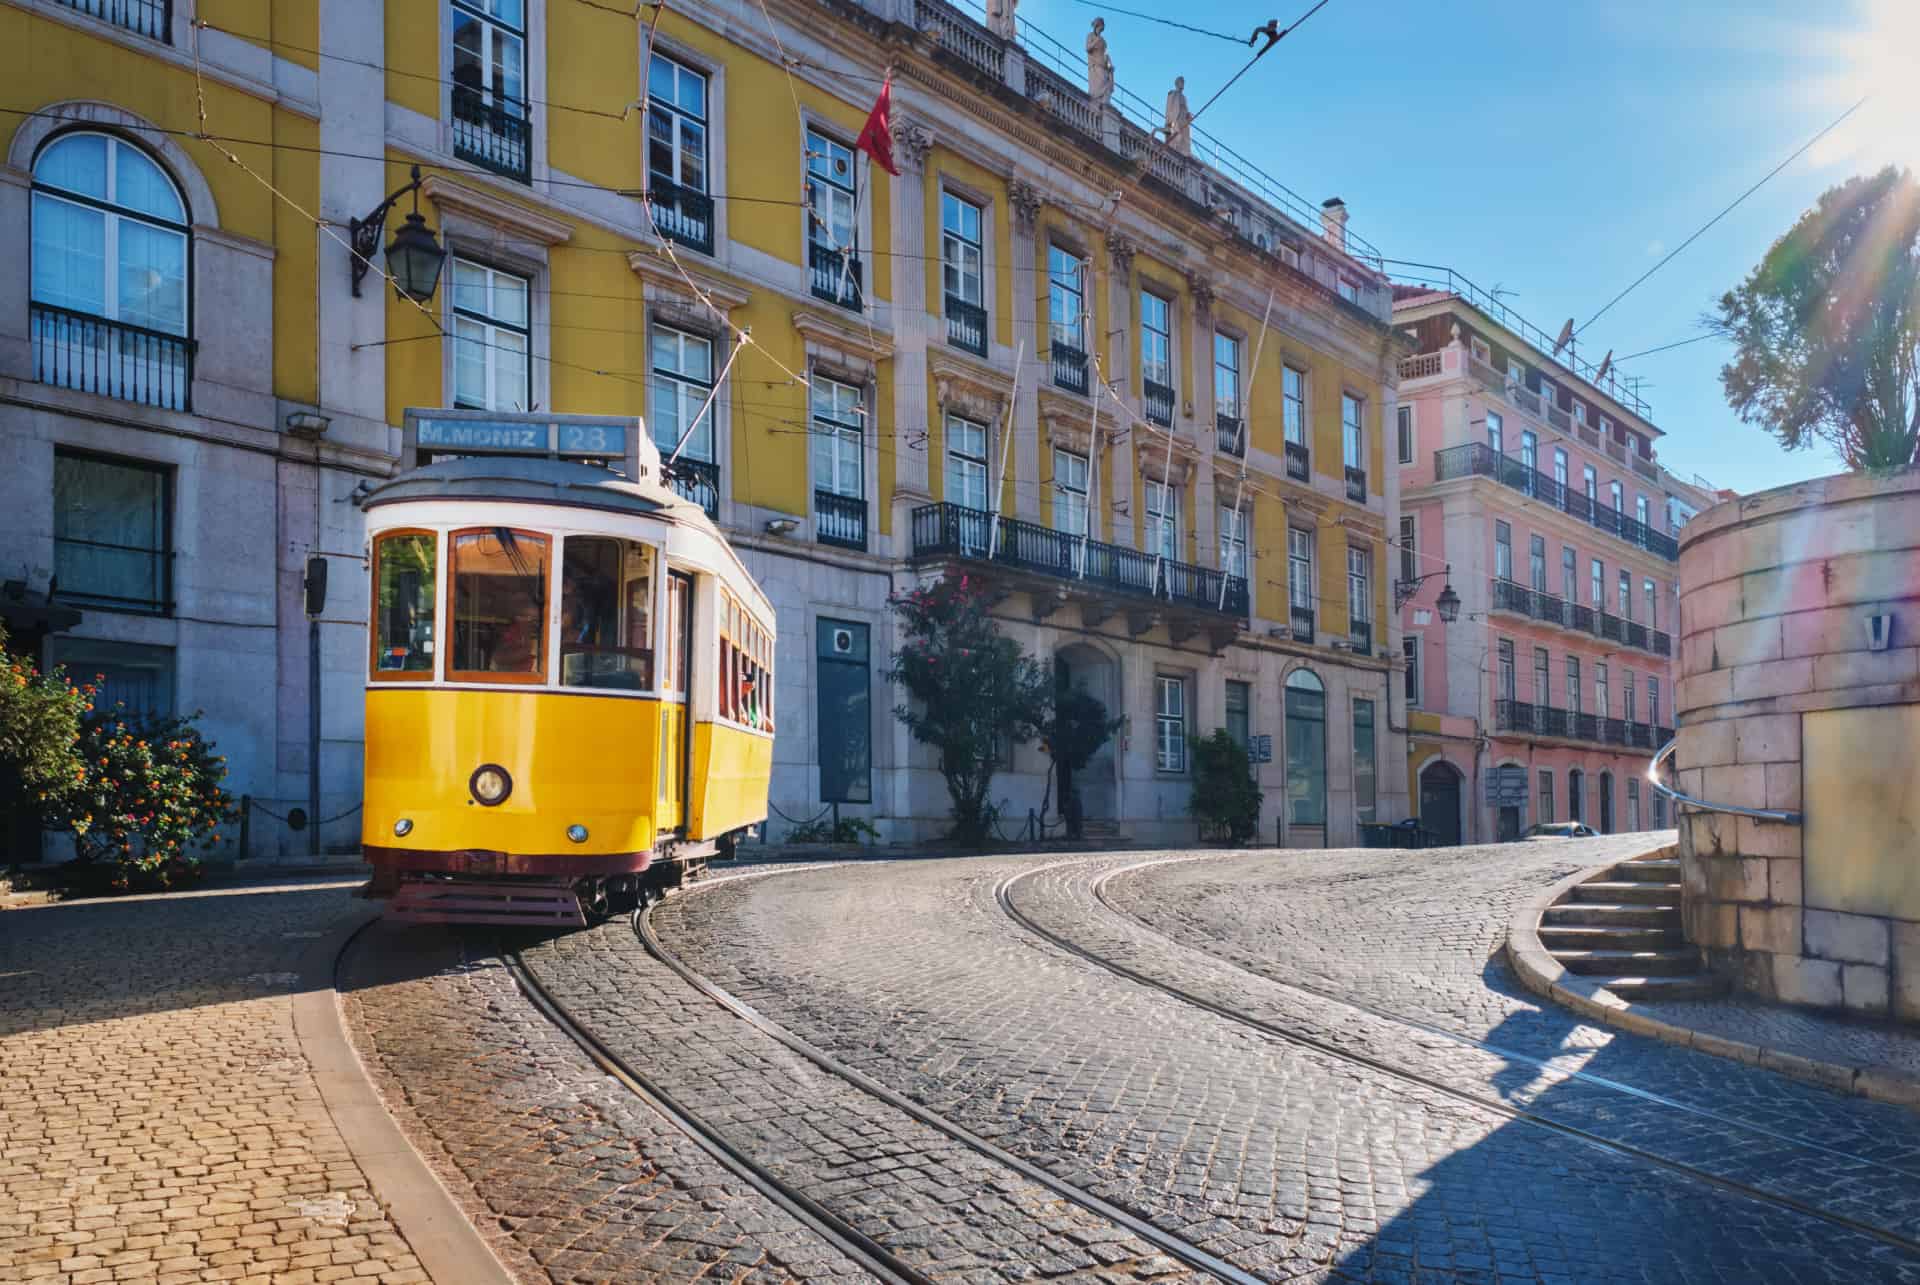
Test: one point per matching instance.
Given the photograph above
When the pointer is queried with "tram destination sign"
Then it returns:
(600, 437)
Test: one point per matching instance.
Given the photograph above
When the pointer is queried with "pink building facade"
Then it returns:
(1536, 492)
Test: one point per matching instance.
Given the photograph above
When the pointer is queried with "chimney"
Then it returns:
(1333, 222)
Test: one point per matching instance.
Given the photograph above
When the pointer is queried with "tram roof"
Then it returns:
(529, 481)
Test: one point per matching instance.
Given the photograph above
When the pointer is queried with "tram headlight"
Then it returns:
(578, 833)
(402, 828)
(490, 785)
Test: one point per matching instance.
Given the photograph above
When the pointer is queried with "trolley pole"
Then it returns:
(316, 587)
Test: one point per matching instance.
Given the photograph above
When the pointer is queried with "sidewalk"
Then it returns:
(1850, 1055)
(162, 1119)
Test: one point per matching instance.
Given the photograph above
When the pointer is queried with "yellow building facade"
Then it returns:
(1150, 399)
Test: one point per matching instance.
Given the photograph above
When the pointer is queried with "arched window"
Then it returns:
(109, 272)
(1306, 749)
(1576, 795)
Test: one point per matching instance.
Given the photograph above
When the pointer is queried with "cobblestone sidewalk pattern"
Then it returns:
(160, 1122)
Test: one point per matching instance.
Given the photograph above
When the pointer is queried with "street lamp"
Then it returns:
(1404, 592)
(414, 258)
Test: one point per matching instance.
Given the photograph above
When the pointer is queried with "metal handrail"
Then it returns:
(1758, 814)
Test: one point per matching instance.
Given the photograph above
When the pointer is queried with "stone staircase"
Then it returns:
(1621, 929)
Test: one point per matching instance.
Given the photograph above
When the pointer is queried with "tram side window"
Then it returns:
(746, 683)
(403, 612)
(606, 614)
(499, 605)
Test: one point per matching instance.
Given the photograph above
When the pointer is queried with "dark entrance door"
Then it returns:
(1440, 802)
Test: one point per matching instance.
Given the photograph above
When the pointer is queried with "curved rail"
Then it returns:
(1520, 1115)
(1687, 800)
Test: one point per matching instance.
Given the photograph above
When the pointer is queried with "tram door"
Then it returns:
(675, 725)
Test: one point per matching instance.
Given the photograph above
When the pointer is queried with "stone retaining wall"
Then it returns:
(1783, 703)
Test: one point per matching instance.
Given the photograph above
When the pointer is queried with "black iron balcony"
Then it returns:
(966, 325)
(1537, 604)
(1232, 434)
(835, 275)
(1297, 461)
(1477, 459)
(1542, 720)
(1301, 620)
(696, 480)
(956, 531)
(492, 132)
(1157, 399)
(1069, 366)
(840, 519)
(1357, 484)
(1360, 634)
(681, 214)
(143, 17)
(95, 355)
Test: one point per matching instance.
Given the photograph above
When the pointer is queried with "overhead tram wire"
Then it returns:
(1796, 154)
(1274, 36)
(1165, 22)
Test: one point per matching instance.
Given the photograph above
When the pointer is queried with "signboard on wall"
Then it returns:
(1260, 749)
(1507, 786)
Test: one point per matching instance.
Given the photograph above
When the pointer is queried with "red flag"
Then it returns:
(876, 140)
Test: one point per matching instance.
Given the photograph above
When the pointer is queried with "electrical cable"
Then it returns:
(1165, 22)
(1274, 37)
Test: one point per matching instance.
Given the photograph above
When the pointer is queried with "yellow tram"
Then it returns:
(569, 685)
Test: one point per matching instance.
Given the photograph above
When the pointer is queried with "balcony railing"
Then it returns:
(697, 480)
(1301, 621)
(1069, 366)
(112, 358)
(1420, 365)
(1537, 604)
(1477, 459)
(960, 37)
(840, 519)
(1360, 634)
(682, 214)
(1645, 467)
(1157, 399)
(118, 577)
(1357, 484)
(1544, 720)
(492, 132)
(835, 275)
(144, 17)
(957, 531)
(1232, 434)
(966, 325)
(1297, 461)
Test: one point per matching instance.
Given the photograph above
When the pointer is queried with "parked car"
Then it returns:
(1561, 830)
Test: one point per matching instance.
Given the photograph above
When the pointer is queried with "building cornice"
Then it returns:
(660, 273)
(509, 216)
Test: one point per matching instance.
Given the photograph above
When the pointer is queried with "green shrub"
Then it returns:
(845, 830)
(1225, 799)
(40, 717)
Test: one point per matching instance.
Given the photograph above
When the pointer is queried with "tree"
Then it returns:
(1827, 327)
(1225, 798)
(972, 692)
(1074, 730)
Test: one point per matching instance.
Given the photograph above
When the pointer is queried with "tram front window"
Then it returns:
(499, 606)
(606, 614)
(403, 609)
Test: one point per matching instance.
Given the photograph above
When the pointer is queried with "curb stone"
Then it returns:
(1544, 975)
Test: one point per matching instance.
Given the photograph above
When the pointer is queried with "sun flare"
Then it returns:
(1881, 61)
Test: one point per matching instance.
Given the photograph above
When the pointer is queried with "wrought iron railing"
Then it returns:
(1231, 432)
(966, 325)
(1297, 461)
(95, 355)
(97, 573)
(1360, 634)
(682, 214)
(957, 531)
(1537, 604)
(1157, 400)
(492, 132)
(1357, 484)
(1477, 459)
(1069, 366)
(696, 480)
(1543, 720)
(835, 275)
(1300, 619)
(840, 519)
(958, 35)
(144, 17)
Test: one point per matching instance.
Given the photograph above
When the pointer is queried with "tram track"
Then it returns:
(1003, 895)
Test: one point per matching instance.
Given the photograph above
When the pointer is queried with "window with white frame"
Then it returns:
(839, 437)
(681, 382)
(963, 271)
(1628, 709)
(1365, 763)
(1300, 568)
(1233, 540)
(1619, 502)
(1640, 509)
(1574, 698)
(1481, 353)
(1502, 550)
(112, 532)
(1653, 700)
(1537, 562)
(1590, 482)
(1626, 594)
(831, 188)
(491, 333)
(1405, 418)
(1226, 375)
(1069, 492)
(1352, 409)
(1569, 574)
(109, 252)
(1410, 648)
(1409, 552)
(1580, 413)
(1156, 339)
(1597, 584)
(1170, 723)
(1163, 519)
(1293, 395)
(1560, 467)
(1066, 302)
(1601, 697)
(1496, 433)
(489, 85)
(1546, 795)
(677, 152)
(1360, 586)
(1653, 604)
(966, 463)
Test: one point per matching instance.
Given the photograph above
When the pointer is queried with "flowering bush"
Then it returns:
(972, 691)
(152, 794)
(40, 718)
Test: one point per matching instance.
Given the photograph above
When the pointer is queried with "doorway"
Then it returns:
(1094, 787)
(675, 743)
(1440, 802)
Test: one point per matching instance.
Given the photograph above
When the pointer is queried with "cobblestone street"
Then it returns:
(1122, 1067)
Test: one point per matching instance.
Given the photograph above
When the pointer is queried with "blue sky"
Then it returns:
(1559, 150)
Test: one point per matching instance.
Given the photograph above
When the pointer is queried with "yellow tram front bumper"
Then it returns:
(572, 759)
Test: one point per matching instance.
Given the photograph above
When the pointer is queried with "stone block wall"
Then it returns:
(1774, 704)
